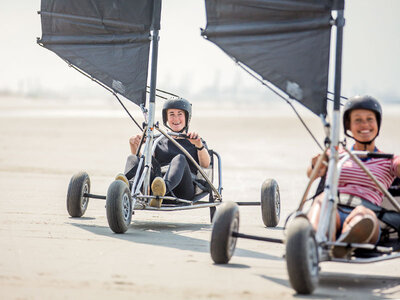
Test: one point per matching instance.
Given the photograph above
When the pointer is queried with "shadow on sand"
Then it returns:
(348, 286)
(168, 234)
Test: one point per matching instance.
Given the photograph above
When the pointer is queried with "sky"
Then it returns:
(192, 67)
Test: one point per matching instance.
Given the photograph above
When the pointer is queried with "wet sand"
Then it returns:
(45, 254)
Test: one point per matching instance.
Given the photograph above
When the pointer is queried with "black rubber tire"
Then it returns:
(76, 203)
(270, 203)
(302, 256)
(226, 221)
(119, 206)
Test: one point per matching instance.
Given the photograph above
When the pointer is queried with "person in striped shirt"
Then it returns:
(356, 223)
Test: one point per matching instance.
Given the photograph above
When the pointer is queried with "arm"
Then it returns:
(322, 169)
(204, 157)
(134, 142)
(397, 165)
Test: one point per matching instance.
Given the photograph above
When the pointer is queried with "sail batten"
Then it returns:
(99, 39)
(261, 28)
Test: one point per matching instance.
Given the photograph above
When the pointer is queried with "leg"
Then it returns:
(360, 226)
(179, 178)
(315, 210)
(132, 163)
(359, 213)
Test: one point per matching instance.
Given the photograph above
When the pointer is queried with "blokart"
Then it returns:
(286, 46)
(110, 42)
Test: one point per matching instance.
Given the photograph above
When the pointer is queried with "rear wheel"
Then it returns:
(302, 256)
(226, 221)
(77, 203)
(119, 206)
(270, 203)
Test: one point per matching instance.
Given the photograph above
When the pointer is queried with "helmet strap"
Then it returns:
(184, 129)
(363, 143)
(180, 131)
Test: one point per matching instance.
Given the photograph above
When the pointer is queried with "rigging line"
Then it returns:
(119, 100)
(305, 125)
(287, 101)
(165, 92)
(329, 99)
(162, 97)
(343, 97)
(107, 88)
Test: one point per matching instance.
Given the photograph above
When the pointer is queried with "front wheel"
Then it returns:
(270, 203)
(302, 256)
(223, 243)
(77, 202)
(119, 206)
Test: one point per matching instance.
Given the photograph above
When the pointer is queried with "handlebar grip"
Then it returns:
(379, 155)
(183, 135)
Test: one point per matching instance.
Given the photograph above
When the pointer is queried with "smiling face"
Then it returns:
(176, 119)
(363, 125)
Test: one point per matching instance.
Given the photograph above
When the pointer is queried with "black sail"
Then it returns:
(286, 42)
(107, 39)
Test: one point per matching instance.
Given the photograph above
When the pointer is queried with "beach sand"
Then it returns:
(45, 254)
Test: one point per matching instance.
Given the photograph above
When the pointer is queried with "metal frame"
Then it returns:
(139, 180)
(324, 245)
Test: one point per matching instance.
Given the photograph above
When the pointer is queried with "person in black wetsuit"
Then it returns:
(177, 181)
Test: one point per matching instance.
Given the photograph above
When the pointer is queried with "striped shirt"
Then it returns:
(354, 181)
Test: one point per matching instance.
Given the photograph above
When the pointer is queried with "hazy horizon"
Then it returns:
(195, 68)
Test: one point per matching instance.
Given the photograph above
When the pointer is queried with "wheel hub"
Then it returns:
(126, 206)
(312, 257)
(277, 203)
(85, 199)
(232, 239)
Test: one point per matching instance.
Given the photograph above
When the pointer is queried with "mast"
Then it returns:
(152, 97)
(331, 185)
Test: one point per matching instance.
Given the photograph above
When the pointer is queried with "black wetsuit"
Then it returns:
(178, 177)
